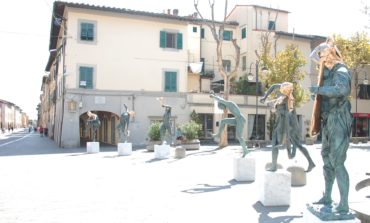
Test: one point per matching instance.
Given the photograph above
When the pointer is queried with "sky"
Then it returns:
(25, 29)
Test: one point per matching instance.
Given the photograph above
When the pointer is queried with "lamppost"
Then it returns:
(357, 85)
(250, 77)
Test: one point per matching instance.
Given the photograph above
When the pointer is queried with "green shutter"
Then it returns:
(202, 33)
(244, 33)
(86, 74)
(179, 41)
(89, 77)
(162, 39)
(170, 82)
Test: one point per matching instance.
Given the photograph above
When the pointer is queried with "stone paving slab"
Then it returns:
(41, 183)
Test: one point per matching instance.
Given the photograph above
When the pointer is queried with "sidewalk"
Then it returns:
(73, 186)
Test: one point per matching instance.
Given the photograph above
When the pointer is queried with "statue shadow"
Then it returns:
(155, 160)
(205, 152)
(206, 188)
(266, 218)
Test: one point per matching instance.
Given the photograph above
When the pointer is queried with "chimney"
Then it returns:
(175, 12)
(168, 11)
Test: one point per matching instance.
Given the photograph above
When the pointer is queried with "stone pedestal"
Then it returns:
(180, 152)
(308, 217)
(162, 151)
(245, 168)
(124, 149)
(92, 147)
(275, 188)
(298, 175)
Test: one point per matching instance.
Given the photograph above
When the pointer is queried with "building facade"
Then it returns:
(11, 116)
(103, 59)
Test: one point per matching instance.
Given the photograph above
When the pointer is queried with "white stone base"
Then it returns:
(162, 151)
(124, 149)
(245, 168)
(93, 147)
(308, 217)
(275, 188)
(180, 152)
(298, 175)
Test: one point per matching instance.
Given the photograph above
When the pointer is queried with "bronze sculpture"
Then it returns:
(238, 120)
(286, 128)
(336, 122)
(93, 122)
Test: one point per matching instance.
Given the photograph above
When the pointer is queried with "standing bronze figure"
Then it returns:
(336, 121)
(286, 128)
(93, 122)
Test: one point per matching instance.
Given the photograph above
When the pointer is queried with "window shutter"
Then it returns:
(170, 82)
(89, 77)
(179, 40)
(86, 76)
(244, 33)
(202, 33)
(162, 39)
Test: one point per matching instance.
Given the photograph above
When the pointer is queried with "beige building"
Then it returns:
(11, 116)
(102, 59)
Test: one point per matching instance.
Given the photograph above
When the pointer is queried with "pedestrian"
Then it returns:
(336, 121)
(41, 131)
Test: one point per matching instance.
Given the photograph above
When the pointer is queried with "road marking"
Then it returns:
(7, 143)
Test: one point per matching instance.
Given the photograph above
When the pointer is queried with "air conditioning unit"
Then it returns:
(83, 83)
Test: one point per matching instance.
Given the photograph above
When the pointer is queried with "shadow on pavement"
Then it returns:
(266, 211)
(205, 188)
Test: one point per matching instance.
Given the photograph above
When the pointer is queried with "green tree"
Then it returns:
(355, 51)
(286, 67)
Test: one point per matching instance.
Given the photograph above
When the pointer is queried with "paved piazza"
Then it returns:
(41, 183)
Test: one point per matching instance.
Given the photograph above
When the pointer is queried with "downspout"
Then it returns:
(200, 56)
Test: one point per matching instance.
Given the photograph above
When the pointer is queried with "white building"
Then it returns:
(103, 58)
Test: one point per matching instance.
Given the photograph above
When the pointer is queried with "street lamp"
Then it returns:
(250, 77)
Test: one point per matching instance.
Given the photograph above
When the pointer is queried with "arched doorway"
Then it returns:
(106, 134)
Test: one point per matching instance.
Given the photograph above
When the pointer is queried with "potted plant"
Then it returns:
(154, 135)
(190, 133)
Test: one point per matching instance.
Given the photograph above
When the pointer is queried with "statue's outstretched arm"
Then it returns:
(269, 91)
(166, 106)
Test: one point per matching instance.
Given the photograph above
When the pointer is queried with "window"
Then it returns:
(271, 25)
(170, 40)
(195, 29)
(244, 33)
(228, 35)
(170, 81)
(202, 33)
(256, 128)
(87, 31)
(227, 65)
(244, 63)
(204, 64)
(86, 77)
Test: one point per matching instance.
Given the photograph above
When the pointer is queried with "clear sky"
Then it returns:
(25, 28)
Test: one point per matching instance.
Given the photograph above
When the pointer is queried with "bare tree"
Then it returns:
(218, 37)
